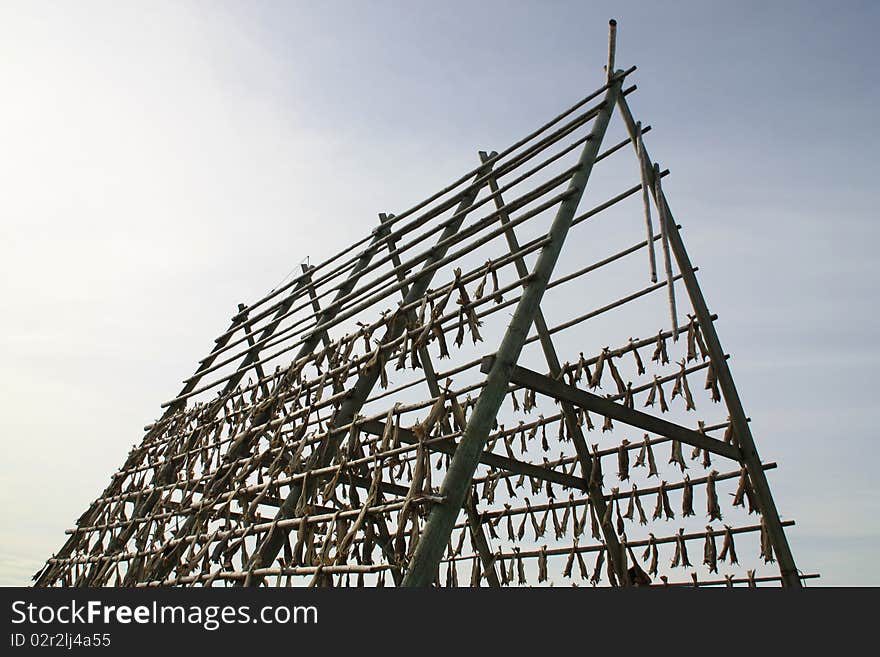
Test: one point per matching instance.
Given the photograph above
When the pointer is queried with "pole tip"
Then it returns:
(612, 23)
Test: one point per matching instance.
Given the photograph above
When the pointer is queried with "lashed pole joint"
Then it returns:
(461, 470)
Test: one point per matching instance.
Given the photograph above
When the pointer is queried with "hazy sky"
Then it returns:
(161, 162)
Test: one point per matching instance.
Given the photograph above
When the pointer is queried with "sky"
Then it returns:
(163, 161)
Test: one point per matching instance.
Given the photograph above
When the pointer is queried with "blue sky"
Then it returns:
(164, 161)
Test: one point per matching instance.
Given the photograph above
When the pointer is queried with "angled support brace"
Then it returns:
(461, 470)
(424, 356)
(741, 429)
(563, 392)
(377, 428)
(261, 376)
(307, 274)
(597, 498)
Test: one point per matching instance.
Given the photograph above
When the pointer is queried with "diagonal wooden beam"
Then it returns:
(569, 414)
(564, 392)
(481, 543)
(456, 483)
(743, 434)
(377, 428)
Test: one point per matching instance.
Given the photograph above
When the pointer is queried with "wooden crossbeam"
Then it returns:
(563, 392)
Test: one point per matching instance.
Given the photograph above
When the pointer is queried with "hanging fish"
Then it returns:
(563, 524)
(643, 519)
(414, 361)
(628, 401)
(496, 290)
(520, 570)
(652, 553)
(620, 526)
(473, 324)
(663, 496)
(682, 388)
(528, 400)
(597, 571)
(579, 524)
(728, 549)
(478, 293)
(651, 399)
(582, 368)
(766, 542)
(749, 492)
(532, 518)
(542, 526)
(557, 528)
(695, 454)
(710, 554)
(712, 383)
(687, 498)
(542, 564)
(451, 575)
(660, 354)
(680, 557)
(569, 563)
(596, 379)
(621, 388)
(698, 336)
(729, 435)
(459, 333)
(607, 425)
(596, 478)
(643, 452)
(609, 509)
(438, 332)
(712, 508)
(647, 451)
(691, 339)
(585, 417)
(594, 524)
(582, 566)
(631, 505)
(640, 367)
(676, 455)
(664, 407)
(623, 460)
